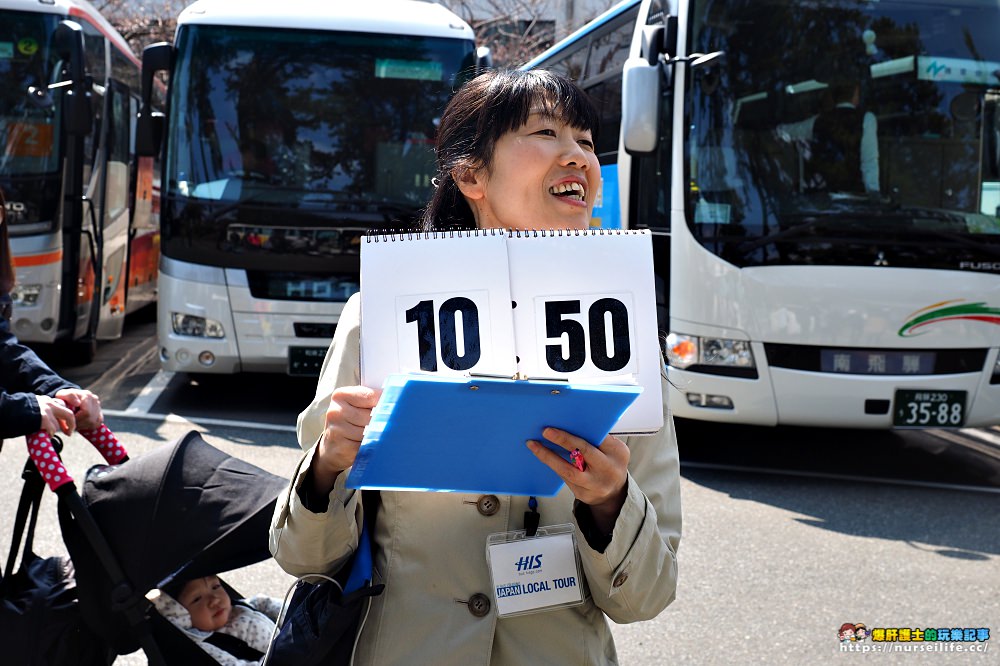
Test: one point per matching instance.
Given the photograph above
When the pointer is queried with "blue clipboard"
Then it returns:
(457, 434)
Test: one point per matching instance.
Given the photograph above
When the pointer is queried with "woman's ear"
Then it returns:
(471, 182)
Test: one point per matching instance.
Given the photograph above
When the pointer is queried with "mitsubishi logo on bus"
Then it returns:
(957, 309)
(880, 259)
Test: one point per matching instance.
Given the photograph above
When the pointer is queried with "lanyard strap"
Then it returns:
(531, 517)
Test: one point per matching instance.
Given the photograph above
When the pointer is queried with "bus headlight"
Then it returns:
(26, 295)
(682, 350)
(197, 327)
(688, 350)
(730, 353)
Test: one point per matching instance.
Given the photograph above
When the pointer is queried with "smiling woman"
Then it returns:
(514, 150)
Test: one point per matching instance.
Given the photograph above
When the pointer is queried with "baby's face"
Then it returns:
(207, 602)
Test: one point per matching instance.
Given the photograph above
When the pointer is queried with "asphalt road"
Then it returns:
(788, 534)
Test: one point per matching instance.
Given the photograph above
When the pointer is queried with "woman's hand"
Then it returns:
(603, 482)
(86, 407)
(56, 416)
(349, 412)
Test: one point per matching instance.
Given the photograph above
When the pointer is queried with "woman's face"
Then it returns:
(544, 175)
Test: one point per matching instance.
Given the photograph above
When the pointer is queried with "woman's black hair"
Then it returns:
(482, 111)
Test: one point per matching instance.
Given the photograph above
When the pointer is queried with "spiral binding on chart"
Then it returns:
(556, 233)
(385, 236)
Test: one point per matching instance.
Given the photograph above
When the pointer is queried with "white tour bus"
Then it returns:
(291, 129)
(822, 180)
(81, 206)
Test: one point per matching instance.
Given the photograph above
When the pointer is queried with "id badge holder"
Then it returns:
(535, 574)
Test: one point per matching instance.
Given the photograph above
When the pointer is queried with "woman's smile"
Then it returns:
(571, 191)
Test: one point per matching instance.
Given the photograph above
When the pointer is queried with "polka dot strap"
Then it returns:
(105, 441)
(47, 460)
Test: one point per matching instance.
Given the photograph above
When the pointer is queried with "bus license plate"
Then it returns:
(929, 409)
(305, 361)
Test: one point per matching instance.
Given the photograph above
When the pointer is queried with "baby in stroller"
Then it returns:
(233, 634)
(136, 549)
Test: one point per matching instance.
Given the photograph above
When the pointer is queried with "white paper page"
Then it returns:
(586, 311)
(435, 302)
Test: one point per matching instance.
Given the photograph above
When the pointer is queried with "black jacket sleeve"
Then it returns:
(19, 414)
(23, 374)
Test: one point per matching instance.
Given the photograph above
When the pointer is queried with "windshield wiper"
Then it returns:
(872, 222)
(806, 228)
(359, 200)
(959, 239)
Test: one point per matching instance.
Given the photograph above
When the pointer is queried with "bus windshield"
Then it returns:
(28, 122)
(841, 132)
(334, 129)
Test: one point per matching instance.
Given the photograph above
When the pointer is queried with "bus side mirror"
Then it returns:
(68, 42)
(149, 132)
(484, 59)
(78, 113)
(640, 106)
(149, 123)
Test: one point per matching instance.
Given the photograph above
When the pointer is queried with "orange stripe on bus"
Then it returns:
(39, 259)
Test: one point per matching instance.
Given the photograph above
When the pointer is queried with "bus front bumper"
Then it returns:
(793, 397)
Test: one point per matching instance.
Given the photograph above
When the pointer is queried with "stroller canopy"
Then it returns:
(186, 510)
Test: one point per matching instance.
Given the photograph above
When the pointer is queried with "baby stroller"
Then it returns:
(183, 510)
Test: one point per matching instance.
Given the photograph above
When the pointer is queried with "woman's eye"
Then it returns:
(586, 143)
(546, 132)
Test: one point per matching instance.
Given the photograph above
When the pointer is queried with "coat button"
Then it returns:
(479, 605)
(620, 579)
(488, 504)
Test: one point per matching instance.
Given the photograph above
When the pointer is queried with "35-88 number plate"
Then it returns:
(929, 409)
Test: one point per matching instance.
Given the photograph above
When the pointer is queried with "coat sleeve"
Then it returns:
(303, 541)
(22, 376)
(340, 368)
(22, 371)
(636, 576)
(19, 414)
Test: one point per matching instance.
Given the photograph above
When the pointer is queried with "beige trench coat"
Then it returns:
(429, 550)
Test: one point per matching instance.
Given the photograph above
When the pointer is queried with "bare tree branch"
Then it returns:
(142, 22)
(515, 30)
